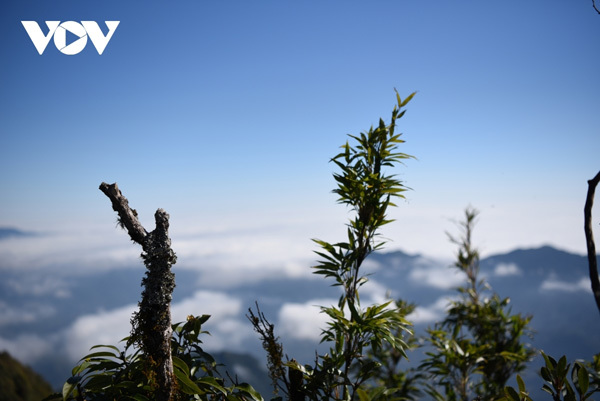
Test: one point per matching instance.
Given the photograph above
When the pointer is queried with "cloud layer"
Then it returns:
(554, 284)
(234, 266)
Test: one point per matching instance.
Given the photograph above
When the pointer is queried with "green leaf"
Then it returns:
(356, 316)
(203, 319)
(185, 384)
(584, 379)
(69, 386)
(548, 389)
(408, 99)
(126, 384)
(521, 384)
(561, 368)
(180, 364)
(100, 354)
(106, 346)
(362, 395)
(99, 381)
(511, 393)
(80, 368)
(211, 383)
(107, 365)
(458, 349)
(550, 362)
(249, 390)
(545, 372)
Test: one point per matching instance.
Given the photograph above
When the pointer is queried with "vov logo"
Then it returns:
(59, 31)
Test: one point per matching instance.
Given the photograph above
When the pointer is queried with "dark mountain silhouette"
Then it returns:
(19, 382)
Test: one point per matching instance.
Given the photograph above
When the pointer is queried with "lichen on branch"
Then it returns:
(151, 324)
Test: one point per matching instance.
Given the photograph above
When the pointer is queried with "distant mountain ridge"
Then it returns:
(9, 232)
(541, 260)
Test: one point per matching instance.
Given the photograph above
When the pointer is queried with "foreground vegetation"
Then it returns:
(471, 354)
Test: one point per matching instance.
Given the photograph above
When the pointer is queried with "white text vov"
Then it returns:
(59, 30)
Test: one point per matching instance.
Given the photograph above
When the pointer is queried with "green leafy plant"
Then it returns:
(585, 380)
(364, 186)
(112, 374)
(367, 190)
(478, 346)
(406, 382)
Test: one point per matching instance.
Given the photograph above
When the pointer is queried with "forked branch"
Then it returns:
(152, 323)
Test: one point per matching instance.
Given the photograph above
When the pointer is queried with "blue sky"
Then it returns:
(226, 114)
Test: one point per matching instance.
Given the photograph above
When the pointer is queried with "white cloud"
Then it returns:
(104, 327)
(68, 252)
(432, 313)
(28, 348)
(216, 304)
(373, 292)
(227, 259)
(507, 269)
(37, 285)
(437, 276)
(303, 321)
(229, 334)
(224, 257)
(227, 325)
(24, 313)
(553, 284)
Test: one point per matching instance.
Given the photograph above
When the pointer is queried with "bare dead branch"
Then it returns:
(151, 325)
(594, 5)
(127, 216)
(589, 237)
